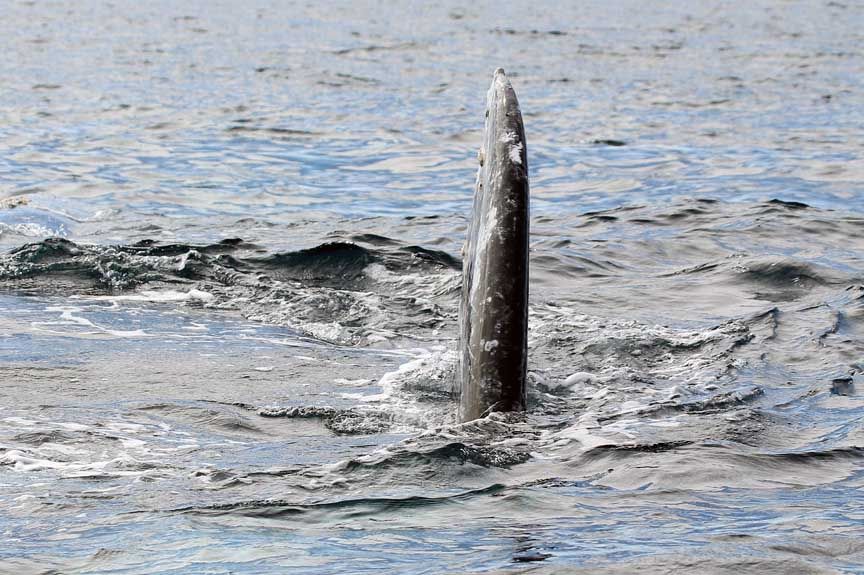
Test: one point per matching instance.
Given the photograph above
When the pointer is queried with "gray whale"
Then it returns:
(493, 314)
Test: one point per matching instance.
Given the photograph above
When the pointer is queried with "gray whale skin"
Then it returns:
(493, 314)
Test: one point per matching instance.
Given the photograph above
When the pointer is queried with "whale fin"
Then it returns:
(493, 314)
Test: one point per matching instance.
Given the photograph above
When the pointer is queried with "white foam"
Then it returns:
(21, 461)
(579, 379)
(581, 433)
(671, 422)
(34, 230)
(67, 317)
(429, 372)
(352, 382)
(21, 421)
(168, 296)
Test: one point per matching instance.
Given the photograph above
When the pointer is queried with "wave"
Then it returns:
(359, 507)
(122, 267)
(339, 292)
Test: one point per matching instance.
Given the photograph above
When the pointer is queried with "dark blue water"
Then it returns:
(231, 254)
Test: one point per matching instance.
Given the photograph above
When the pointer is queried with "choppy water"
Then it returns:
(230, 267)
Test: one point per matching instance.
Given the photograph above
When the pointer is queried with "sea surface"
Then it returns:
(230, 264)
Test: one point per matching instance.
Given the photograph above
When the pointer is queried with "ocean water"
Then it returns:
(230, 263)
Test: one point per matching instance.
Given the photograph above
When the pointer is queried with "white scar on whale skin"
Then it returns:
(514, 151)
(490, 345)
